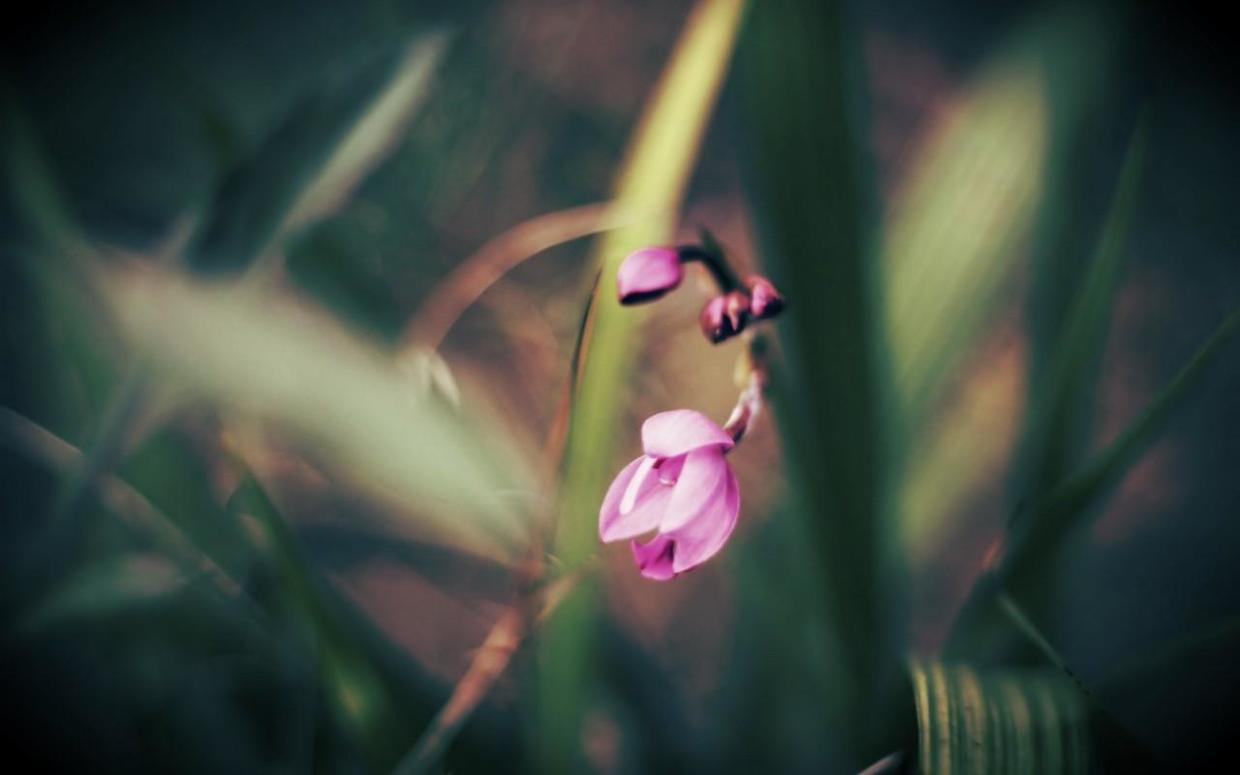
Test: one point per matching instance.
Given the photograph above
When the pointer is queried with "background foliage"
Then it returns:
(310, 392)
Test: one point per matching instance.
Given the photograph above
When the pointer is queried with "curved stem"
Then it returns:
(714, 261)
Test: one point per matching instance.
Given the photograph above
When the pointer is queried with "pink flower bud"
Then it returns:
(765, 301)
(724, 316)
(647, 274)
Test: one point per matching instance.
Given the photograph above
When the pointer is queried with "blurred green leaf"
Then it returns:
(30, 183)
(952, 237)
(965, 447)
(1038, 534)
(976, 193)
(268, 358)
(651, 186)
(362, 698)
(1035, 537)
(1057, 405)
(810, 198)
(104, 589)
(315, 160)
(998, 722)
(996, 177)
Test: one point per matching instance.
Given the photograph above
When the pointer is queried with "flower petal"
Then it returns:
(668, 434)
(698, 490)
(698, 541)
(655, 558)
(629, 499)
(647, 509)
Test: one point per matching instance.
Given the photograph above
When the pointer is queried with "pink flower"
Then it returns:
(682, 489)
(647, 274)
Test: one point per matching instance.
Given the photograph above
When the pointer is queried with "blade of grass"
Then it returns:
(1036, 537)
(651, 185)
(810, 198)
(951, 240)
(316, 158)
(1047, 525)
(262, 356)
(1057, 404)
(994, 178)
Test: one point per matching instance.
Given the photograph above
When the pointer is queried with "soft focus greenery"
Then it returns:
(254, 523)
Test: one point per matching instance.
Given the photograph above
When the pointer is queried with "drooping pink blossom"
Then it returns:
(647, 274)
(681, 489)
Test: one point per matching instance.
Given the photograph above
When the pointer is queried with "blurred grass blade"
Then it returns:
(375, 134)
(104, 589)
(1056, 406)
(650, 186)
(998, 722)
(358, 693)
(1048, 523)
(954, 231)
(996, 177)
(316, 158)
(978, 191)
(1035, 538)
(811, 201)
(263, 355)
(968, 444)
(31, 186)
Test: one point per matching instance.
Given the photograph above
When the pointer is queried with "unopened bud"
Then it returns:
(647, 274)
(724, 316)
(765, 301)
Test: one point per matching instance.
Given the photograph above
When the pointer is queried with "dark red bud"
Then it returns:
(724, 316)
(766, 302)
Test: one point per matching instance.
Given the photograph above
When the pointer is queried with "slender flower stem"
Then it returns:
(509, 632)
(714, 261)
(749, 403)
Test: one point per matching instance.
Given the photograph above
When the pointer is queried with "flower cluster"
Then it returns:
(650, 273)
(681, 488)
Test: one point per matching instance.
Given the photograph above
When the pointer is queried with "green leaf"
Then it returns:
(265, 357)
(998, 722)
(948, 248)
(809, 196)
(358, 692)
(651, 185)
(1057, 404)
(993, 179)
(1039, 534)
(103, 589)
(315, 160)
(1036, 536)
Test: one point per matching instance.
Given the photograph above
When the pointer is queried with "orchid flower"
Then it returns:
(681, 489)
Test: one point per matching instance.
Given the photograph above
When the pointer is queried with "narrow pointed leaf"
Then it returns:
(1058, 404)
(314, 160)
(809, 193)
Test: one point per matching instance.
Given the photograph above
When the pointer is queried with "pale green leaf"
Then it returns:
(263, 356)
